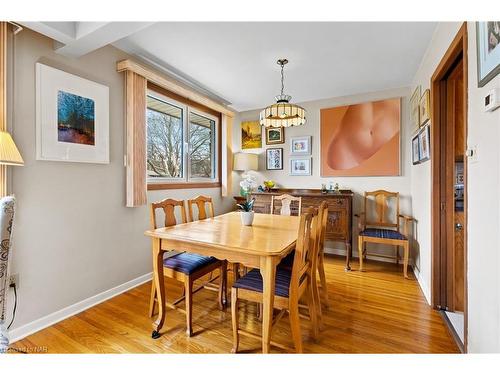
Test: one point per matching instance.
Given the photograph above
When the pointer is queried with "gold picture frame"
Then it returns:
(415, 107)
(425, 107)
(275, 136)
(251, 135)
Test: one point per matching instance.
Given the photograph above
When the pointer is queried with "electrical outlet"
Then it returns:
(14, 280)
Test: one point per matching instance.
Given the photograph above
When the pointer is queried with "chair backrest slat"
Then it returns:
(323, 220)
(201, 202)
(168, 206)
(306, 248)
(380, 199)
(284, 204)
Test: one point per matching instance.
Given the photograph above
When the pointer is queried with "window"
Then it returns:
(181, 142)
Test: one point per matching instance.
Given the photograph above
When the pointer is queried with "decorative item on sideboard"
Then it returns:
(270, 184)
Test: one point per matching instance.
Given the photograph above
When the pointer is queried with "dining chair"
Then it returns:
(321, 253)
(383, 226)
(318, 265)
(290, 286)
(282, 204)
(201, 202)
(185, 267)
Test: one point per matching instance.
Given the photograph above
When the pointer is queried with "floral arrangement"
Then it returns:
(247, 185)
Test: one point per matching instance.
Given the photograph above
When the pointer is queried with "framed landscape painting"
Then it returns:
(275, 136)
(72, 122)
(251, 135)
(361, 139)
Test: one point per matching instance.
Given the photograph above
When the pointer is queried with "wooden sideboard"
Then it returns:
(339, 225)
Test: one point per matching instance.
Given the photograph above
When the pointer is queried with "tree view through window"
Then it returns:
(201, 134)
(168, 131)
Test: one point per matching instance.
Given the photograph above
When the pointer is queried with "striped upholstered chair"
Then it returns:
(185, 267)
(382, 225)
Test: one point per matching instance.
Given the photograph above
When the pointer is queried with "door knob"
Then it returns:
(458, 226)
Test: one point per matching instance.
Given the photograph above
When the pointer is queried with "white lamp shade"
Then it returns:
(9, 154)
(245, 162)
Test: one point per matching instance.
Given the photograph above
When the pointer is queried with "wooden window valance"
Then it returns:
(137, 77)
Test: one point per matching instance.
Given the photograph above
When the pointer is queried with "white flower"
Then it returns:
(248, 183)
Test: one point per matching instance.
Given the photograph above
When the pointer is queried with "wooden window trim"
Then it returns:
(162, 185)
(182, 185)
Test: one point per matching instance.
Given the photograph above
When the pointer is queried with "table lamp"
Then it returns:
(9, 155)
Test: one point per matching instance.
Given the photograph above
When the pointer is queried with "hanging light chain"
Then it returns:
(282, 78)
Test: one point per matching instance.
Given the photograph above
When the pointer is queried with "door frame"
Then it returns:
(457, 47)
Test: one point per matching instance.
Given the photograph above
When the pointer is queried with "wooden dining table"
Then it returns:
(261, 245)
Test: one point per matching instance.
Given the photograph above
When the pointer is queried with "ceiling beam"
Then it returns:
(75, 39)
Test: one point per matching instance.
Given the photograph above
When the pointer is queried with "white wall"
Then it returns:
(357, 184)
(421, 173)
(483, 195)
(73, 236)
(483, 214)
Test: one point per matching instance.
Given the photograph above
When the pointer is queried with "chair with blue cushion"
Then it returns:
(383, 225)
(185, 267)
(290, 286)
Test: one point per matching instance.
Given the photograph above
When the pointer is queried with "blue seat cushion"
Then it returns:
(287, 262)
(253, 281)
(188, 263)
(382, 233)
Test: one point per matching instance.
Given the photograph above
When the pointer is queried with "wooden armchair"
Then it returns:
(383, 228)
(185, 267)
(282, 205)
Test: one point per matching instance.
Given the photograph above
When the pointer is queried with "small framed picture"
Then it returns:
(415, 107)
(300, 167)
(300, 145)
(424, 144)
(488, 51)
(425, 107)
(274, 159)
(275, 136)
(415, 148)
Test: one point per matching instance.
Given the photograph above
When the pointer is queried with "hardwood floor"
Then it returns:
(376, 311)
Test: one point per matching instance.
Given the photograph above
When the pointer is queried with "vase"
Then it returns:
(247, 218)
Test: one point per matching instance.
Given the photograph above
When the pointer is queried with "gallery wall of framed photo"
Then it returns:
(294, 158)
(420, 115)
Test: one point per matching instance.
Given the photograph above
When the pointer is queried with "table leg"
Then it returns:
(268, 272)
(159, 285)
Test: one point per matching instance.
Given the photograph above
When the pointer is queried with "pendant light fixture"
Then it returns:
(282, 113)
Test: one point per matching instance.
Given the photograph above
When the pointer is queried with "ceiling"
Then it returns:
(236, 62)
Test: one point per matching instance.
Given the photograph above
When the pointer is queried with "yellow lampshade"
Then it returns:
(245, 162)
(9, 154)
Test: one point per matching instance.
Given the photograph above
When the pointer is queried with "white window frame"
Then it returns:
(186, 165)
